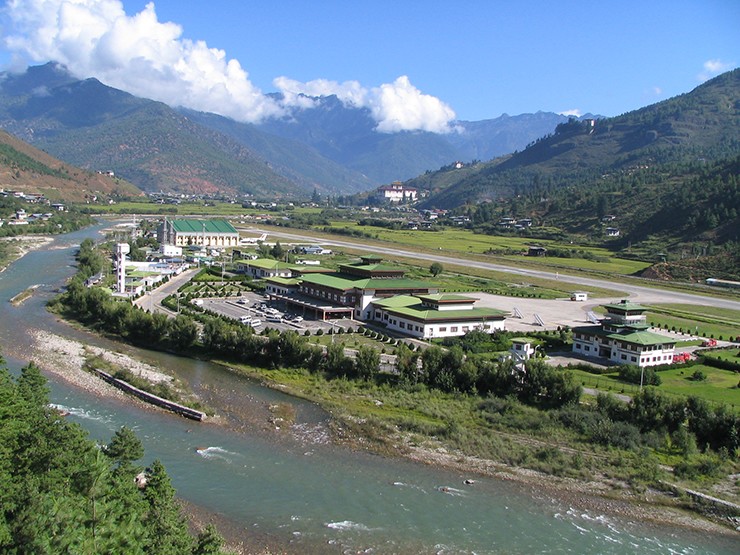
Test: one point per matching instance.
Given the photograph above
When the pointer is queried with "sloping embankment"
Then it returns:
(150, 398)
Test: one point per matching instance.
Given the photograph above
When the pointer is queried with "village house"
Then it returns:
(623, 337)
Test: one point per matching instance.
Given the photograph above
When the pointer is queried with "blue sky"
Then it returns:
(414, 64)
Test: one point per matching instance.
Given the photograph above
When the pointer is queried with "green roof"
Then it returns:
(284, 281)
(624, 305)
(332, 281)
(409, 306)
(268, 264)
(375, 268)
(447, 298)
(200, 226)
(642, 338)
(395, 283)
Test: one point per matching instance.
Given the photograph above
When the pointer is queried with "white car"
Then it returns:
(298, 319)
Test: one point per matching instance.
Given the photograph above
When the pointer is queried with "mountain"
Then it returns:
(27, 169)
(148, 143)
(293, 159)
(332, 148)
(347, 135)
(668, 170)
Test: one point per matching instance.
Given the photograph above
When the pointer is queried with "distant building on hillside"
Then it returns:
(396, 192)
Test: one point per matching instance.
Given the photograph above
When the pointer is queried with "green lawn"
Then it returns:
(719, 387)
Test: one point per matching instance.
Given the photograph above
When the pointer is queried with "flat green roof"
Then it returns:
(284, 281)
(447, 298)
(624, 305)
(642, 338)
(410, 306)
(199, 226)
(333, 281)
(268, 264)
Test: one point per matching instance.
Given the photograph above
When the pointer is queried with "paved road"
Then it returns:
(637, 293)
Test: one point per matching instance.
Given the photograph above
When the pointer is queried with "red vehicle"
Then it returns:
(709, 343)
(681, 357)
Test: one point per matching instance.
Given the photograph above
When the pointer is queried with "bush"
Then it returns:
(634, 374)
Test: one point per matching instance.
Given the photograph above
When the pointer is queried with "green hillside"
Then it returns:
(665, 176)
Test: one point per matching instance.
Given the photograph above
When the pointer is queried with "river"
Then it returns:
(302, 493)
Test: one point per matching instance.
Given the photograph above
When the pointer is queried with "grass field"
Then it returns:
(702, 320)
(465, 241)
(720, 387)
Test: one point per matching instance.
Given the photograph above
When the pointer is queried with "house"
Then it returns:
(435, 315)
(612, 232)
(396, 192)
(623, 338)
(536, 251)
(195, 232)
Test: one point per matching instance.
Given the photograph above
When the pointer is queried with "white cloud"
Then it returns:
(397, 106)
(139, 54)
(712, 68)
(575, 112)
(657, 91)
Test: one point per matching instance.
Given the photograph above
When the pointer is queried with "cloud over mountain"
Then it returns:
(139, 54)
(397, 106)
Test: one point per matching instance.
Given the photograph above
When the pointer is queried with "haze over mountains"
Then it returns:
(332, 148)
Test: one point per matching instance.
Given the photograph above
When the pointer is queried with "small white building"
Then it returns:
(522, 348)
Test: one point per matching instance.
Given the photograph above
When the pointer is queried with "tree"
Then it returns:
(209, 542)
(435, 269)
(125, 447)
(168, 531)
(367, 362)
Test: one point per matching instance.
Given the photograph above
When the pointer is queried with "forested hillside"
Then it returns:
(62, 493)
(665, 175)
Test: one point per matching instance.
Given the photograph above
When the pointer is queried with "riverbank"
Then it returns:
(19, 246)
(66, 358)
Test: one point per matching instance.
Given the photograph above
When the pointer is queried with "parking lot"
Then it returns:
(257, 311)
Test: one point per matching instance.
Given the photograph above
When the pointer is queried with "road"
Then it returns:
(637, 293)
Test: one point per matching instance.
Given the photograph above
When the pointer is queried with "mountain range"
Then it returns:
(331, 148)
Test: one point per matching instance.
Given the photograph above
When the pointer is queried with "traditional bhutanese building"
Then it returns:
(623, 337)
(436, 315)
(192, 232)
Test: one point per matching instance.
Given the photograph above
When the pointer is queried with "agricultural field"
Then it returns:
(465, 241)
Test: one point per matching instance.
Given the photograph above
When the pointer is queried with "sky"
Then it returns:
(415, 64)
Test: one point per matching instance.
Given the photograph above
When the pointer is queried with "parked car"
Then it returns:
(297, 319)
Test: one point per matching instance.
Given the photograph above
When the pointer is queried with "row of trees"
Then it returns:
(62, 493)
